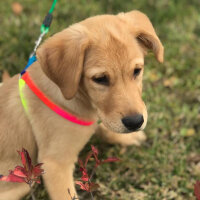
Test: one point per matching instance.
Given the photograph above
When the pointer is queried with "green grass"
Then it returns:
(168, 164)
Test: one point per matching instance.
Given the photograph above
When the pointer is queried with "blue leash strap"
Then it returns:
(30, 62)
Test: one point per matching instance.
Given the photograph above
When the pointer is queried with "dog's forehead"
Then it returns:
(115, 52)
(112, 43)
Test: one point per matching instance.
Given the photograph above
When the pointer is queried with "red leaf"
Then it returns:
(38, 180)
(95, 154)
(84, 186)
(197, 190)
(12, 178)
(37, 171)
(87, 158)
(83, 170)
(20, 171)
(80, 162)
(89, 187)
(27, 174)
(85, 176)
(26, 160)
(94, 150)
(111, 160)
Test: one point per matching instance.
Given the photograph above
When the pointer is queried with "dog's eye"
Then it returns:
(136, 72)
(103, 80)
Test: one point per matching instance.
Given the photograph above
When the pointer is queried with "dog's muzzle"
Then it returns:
(133, 122)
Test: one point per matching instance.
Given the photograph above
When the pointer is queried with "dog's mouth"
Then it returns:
(131, 131)
(118, 128)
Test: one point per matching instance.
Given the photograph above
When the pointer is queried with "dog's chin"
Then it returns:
(119, 128)
(126, 131)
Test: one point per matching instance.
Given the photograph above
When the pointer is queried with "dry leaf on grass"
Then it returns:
(17, 8)
(170, 82)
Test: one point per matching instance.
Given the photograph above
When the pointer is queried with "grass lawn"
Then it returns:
(168, 164)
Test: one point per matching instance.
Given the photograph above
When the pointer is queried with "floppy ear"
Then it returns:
(144, 32)
(62, 57)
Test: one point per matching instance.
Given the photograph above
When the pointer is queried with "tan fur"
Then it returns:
(67, 62)
(5, 76)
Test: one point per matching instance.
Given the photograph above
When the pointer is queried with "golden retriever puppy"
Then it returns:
(93, 70)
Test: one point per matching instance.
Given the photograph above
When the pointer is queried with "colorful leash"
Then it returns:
(25, 79)
(44, 29)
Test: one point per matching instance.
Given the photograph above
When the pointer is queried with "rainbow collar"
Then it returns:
(26, 79)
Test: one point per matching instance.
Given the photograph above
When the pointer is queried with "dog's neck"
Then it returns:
(78, 106)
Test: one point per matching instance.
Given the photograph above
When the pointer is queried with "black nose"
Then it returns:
(133, 122)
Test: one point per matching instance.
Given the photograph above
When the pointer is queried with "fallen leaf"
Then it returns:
(190, 132)
(187, 132)
(17, 8)
(170, 82)
(153, 77)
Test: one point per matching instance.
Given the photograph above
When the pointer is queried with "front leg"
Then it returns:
(58, 179)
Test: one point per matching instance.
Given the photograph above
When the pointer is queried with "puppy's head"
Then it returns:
(104, 56)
